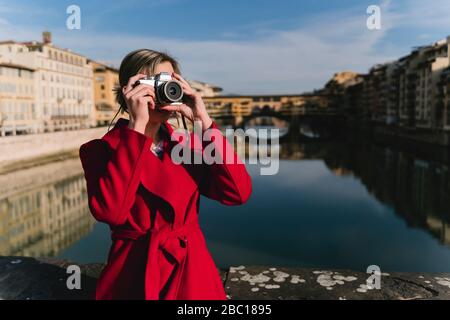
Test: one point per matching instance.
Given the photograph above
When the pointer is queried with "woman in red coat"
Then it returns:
(151, 203)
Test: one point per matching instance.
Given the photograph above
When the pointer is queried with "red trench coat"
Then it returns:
(158, 250)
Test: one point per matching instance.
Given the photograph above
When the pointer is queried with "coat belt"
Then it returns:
(172, 241)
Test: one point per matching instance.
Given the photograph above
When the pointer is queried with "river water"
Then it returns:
(338, 200)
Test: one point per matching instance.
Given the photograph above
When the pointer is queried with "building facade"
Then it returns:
(63, 80)
(44, 212)
(17, 100)
(205, 89)
(106, 79)
(411, 92)
(444, 86)
(256, 104)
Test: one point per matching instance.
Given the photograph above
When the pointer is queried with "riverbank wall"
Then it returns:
(18, 151)
(417, 136)
(25, 278)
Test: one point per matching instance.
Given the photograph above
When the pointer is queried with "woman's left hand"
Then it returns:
(194, 108)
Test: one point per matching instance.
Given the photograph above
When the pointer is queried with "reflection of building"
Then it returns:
(63, 83)
(105, 81)
(439, 228)
(341, 172)
(17, 100)
(43, 210)
(417, 189)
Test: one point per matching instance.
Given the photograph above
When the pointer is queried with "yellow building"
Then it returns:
(254, 104)
(228, 105)
(106, 78)
(63, 83)
(17, 100)
(205, 89)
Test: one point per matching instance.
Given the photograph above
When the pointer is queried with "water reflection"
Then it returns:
(416, 188)
(44, 210)
(268, 127)
(413, 180)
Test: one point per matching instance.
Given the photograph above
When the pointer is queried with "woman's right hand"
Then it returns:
(138, 100)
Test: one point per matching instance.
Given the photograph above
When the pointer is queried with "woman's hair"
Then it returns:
(141, 60)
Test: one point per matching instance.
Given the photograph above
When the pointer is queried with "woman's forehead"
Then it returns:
(165, 66)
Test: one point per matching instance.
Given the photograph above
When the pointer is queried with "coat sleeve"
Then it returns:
(113, 175)
(227, 182)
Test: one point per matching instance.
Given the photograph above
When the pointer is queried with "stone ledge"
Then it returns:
(23, 278)
(280, 283)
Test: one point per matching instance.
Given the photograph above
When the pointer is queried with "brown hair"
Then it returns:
(141, 60)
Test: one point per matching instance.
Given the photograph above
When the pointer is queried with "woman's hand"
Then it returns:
(138, 100)
(194, 107)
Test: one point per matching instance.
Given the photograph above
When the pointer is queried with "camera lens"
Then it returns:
(172, 91)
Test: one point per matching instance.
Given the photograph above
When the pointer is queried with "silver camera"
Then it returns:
(167, 90)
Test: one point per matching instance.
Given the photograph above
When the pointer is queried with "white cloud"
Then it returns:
(276, 61)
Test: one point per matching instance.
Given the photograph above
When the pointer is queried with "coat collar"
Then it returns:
(113, 135)
(171, 182)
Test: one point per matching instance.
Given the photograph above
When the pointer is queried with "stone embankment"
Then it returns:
(29, 278)
(23, 151)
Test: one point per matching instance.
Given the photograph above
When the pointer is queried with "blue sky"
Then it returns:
(246, 47)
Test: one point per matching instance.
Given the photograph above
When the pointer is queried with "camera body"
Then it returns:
(167, 90)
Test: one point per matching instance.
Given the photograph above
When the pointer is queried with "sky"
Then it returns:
(245, 47)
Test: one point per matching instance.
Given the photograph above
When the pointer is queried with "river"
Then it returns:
(339, 200)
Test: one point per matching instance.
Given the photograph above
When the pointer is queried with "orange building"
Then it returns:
(106, 78)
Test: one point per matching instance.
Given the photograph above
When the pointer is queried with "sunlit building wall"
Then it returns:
(63, 83)
(106, 79)
(17, 100)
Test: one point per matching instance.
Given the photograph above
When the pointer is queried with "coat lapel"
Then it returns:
(171, 182)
